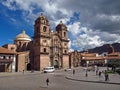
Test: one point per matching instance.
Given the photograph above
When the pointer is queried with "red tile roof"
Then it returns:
(6, 51)
(94, 58)
(88, 54)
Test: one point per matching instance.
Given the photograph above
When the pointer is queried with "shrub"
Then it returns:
(118, 71)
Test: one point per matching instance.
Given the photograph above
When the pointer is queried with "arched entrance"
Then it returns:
(2, 68)
(56, 64)
(28, 66)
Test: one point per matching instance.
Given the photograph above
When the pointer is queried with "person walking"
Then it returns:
(47, 81)
(73, 71)
(99, 73)
(96, 72)
(106, 76)
(86, 73)
(23, 71)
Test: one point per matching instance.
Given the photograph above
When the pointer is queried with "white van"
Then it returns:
(49, 69)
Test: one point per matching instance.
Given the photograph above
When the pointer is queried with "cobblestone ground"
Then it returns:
(36, 81)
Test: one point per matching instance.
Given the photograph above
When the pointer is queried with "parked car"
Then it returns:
(48, 69)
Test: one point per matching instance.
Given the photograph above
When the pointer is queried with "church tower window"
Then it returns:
(65, 51)
(44, 50)
(44, 41)
(65, 44)
(64, 34)
(44, 29)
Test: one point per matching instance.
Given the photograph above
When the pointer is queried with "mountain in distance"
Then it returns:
(106, 48)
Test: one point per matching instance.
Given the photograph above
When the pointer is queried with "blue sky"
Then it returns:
(11, 24)
(90, 24)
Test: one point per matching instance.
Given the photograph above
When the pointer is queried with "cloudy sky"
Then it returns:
(91, 23)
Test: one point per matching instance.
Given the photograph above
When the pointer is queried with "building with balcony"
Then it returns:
(7, 60)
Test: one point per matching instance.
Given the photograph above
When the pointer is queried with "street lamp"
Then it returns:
(87, 64)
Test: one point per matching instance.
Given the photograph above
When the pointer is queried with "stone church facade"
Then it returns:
(48, 48)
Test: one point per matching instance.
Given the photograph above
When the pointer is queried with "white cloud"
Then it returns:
(92, 39)
(113, 18)
(94, 27)
(13, 20)
(8, 4)
(69, 46)
(48, 7)
(74, 28)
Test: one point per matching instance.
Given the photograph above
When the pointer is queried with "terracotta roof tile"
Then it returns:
(6, 51)
(88, 54)
(93, 58)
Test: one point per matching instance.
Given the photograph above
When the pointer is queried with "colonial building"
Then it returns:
(22, 45)
(74, 59)
(7, 60)
(48, 48)
(88, 59)
(85, 59)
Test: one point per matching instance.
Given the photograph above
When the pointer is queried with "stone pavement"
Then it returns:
(78, 76)
(92, 77)
(4, 74)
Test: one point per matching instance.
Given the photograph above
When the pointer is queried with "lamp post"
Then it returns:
(87, 64)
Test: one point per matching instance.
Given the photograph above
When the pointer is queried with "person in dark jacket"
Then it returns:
(47, 81)
(73, 71)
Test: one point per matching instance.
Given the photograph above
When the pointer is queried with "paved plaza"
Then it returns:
(92, 77)
(59, 80)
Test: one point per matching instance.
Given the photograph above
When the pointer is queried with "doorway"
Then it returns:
(56, 64)
(28, 66)
(2, 68)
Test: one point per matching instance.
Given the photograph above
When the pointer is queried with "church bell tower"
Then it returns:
(63, 34)
(41, 43)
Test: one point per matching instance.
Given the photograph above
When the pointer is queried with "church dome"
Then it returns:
(22, 37)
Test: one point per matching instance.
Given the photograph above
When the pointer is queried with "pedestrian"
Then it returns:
(86, 74)
(96, 72)
(99, 73)
(106, 76)
(73, 71)
(47, 81)
(23, 71)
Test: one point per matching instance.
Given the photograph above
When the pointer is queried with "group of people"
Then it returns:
(86, 74)
(98, 72)
(106, 75)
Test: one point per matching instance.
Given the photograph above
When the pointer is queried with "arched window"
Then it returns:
(64, 34)
(44, 41)
(12, 48)
(44, 29)
(44, 50)
(65, 51)
(65, 44)
(4, 57)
